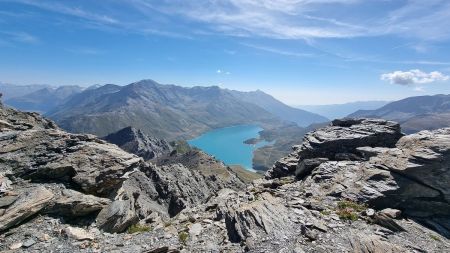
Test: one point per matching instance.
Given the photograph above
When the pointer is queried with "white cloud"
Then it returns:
(219, 71)
(414, 77)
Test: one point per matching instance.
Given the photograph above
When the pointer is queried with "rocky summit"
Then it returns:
(135, 141)
(354, 186)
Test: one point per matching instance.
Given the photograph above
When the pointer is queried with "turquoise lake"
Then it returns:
(227, 144)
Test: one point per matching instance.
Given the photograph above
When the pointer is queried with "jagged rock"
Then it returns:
(284, 167)
(339, 141)
(36, 149)
(71, 203)
(164, 249)
(344, 136)
(78, 234)
(321, 211)
(385, 221)
(215, 173)
(373, 244)
(7, 201)
(305, 166)
(13, 120)
(16, 245)
(135, 141)
(423, 158)
(5, 184)
(30, 202)
(118, 216)
(391, 213)
(263, 217)
(83, 160)
(28, 243)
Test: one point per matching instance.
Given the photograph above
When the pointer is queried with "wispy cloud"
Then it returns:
(279, 19)
(19, 36)
(305, 19)
(278, 51)
(63, 8)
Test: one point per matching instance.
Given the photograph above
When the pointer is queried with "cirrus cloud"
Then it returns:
(414, 77)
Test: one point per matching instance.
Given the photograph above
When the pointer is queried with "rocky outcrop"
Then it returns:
(380, 168)
(136, 142)
(88, 176)
(70, 203)
(214, 174)
(29, 202)
(339, 141)
(250, 220)
(76, 193)
(374, 244)
(44, 154)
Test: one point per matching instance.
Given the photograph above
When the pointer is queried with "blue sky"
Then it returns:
(300, 51)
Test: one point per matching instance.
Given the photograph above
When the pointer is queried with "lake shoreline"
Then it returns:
(228, 144)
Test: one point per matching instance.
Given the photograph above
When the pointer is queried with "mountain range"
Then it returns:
(173, 112)
(337, 111)
(170, 111)
(11, 91)
(414, 113)
(301, 117)
(45, 99)
(163, 111)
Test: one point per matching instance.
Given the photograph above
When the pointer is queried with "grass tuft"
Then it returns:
(435, 237)
(349, 210)
(137, 228)
(183, 236)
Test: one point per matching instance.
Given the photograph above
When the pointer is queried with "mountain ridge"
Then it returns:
(414, 113)
(164, 111)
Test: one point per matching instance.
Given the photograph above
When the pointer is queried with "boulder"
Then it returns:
(71, 203)
(373, 244)
(117, 217)
(84, 161)
(30, 202)
(345, 136)
(78, 234)
(266, 216)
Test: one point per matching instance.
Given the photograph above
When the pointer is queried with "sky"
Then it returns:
(299, 51)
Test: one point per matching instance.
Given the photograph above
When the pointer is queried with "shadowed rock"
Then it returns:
(136, 142)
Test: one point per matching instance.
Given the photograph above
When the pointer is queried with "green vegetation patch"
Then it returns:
(349, 210)
(181, 146)
(435, 237)
(137, 228)
(183, 237)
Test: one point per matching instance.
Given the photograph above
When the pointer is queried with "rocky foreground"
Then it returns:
(354, 186)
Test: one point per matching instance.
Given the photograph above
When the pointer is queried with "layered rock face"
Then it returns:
(136, 142)
(62, 192)
(369, 161)
(338, 141)
(80, 175)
